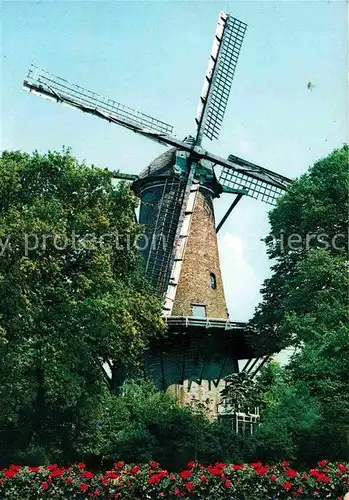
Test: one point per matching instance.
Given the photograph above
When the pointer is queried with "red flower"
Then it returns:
(273, 478)
(51, 467)
(44, 485)
(261, 471)
(322, 478)
(176, 491)
(341, 467)
(300, 491)
(215, 471)
(154, 479)
(69, 480)
(313, 472)
(185, 474)
(135, 469)
(227, 484)
(291, 473)
(119, 465)
(57, 473)
(220, 465)
(203, 478)
(87, 475)
(285, 463)
(97, 492)
(34, 469)
(81, 465)
(15, 467)
(322, 463)
(287, 485)
(154, 464)
(83, 487)
(189, 486)
(10, 473)
(256, 465)
(237, 466)
(112, 475)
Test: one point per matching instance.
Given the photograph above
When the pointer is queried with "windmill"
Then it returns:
(180, 241)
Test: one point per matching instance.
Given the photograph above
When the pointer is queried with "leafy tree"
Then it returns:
(320, 322)
(72, 297)
(290, 414)
(305, 304)
(241, 392)
(313, 214)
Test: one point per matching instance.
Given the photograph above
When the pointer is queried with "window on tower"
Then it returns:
(213, 282)
(198, 310)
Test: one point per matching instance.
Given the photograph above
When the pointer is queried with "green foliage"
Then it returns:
(312, 215)
(305, 304)
(72, 296)
(143, 424)
(291, 412)
(241, 392)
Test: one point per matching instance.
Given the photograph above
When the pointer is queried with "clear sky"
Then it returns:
(153, 56)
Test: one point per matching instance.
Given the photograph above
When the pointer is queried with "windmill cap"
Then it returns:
(161, 166)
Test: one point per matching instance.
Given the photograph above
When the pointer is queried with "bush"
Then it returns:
(149, 481)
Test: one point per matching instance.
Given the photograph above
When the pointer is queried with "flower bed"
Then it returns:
(150, 481)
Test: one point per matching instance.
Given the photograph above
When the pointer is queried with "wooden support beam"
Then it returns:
(230, 209)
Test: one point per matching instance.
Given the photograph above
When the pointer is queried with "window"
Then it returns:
(213, 282)
(198, 310)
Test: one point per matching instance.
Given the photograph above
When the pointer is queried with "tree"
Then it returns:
(241, 392)
(312, 215)
(304, 304)
(289, 413)
(320, 322)
(72, 297)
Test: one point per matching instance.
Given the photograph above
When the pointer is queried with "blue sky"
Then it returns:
(153, 56)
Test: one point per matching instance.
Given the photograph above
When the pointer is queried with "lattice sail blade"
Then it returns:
(52, 87)
(261, 184)
(219, 76)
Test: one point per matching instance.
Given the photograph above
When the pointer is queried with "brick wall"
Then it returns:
(200, 260)
(205, 396)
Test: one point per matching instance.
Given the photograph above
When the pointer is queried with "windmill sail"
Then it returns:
(219, 76)
(260, 183)
(54, 88)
